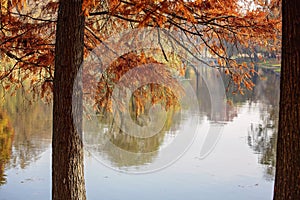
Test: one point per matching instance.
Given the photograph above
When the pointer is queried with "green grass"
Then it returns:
(277, 70)
(274, 65)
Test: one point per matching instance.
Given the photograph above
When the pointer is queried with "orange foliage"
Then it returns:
(152, 92)
(27, 33)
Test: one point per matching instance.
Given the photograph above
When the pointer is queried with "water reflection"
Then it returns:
(104, 138)
(32, 125)
(221, 114)
(6, 138)
(25, 133)
(26, 130)
(262, 137)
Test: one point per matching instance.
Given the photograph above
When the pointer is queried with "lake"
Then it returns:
(222, 153)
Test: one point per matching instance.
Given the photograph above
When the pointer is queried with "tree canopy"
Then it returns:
(27, 33)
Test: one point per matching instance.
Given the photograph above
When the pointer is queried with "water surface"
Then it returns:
(240, 166)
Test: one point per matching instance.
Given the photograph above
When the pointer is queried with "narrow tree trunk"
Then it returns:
(287, 180)
(67, 148)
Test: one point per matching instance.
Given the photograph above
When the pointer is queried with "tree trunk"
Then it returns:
(67, 148)
(287, 180)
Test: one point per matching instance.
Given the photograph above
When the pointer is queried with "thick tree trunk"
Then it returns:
(67, 148)
(287, 181)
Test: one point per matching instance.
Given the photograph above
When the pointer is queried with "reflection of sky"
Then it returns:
(231, 171)
(33, 182)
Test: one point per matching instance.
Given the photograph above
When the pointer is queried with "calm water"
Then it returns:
(240, 164)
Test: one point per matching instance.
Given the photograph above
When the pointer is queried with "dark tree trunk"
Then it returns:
(287, 180)
(67, 148)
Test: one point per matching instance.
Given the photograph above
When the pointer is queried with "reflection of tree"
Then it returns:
(124, 150)
(125, 94)
(6, 138)
(197, 76)
(262, 137)
(32, 128)
(33, 132)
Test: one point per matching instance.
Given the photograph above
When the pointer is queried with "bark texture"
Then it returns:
(67, 148)
(287, 180)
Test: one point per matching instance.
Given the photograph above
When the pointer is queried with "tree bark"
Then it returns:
(287, 179)
(67, 148)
